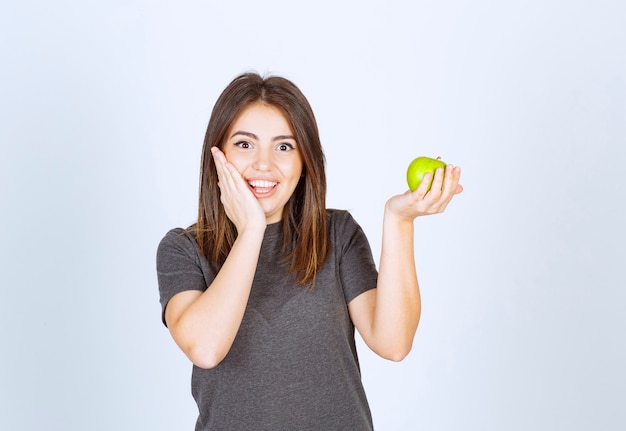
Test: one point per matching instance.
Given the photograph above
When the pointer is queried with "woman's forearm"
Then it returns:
(205, 329)
(398, 306)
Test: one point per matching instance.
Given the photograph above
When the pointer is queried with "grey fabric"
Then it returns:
(293, 364)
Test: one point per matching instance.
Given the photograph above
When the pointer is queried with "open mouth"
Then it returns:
(261, 187)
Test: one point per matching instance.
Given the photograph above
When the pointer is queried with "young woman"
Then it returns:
(264, 292)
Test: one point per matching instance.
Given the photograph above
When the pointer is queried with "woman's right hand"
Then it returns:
(205, 324)
(241, 206)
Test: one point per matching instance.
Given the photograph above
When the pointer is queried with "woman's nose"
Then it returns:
(263, 160)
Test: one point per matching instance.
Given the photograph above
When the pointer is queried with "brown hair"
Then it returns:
(305, 236)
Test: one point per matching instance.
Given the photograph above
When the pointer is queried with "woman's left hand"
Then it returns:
(420, 202)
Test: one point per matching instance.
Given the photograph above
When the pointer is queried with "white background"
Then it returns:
(103, 108)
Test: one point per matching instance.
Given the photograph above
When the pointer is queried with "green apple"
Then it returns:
(419, 167)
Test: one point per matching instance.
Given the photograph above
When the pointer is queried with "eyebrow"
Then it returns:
(253, 136)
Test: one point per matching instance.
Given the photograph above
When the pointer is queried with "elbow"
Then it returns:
(396, 357)
(394, 350)
(397, 354)
(204, 358)
(202, 353)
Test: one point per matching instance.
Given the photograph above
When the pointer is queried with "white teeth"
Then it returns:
(262, 183)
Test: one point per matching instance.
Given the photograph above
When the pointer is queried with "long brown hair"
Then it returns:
(305, 236)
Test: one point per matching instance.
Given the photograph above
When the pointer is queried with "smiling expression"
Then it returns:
(262, 147)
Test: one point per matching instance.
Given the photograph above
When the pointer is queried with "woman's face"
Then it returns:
(262, 147)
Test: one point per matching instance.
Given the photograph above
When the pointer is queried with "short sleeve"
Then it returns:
(180, 267)
(357, 270)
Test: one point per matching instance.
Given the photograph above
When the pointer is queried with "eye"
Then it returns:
(285, 147)
(243, 145)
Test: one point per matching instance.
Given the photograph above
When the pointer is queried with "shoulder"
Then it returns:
(341, 220)
(178, 241)
(178, 235)
(343, 228)
(337, 217)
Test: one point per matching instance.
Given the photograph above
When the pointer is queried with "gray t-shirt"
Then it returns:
(293, 364)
